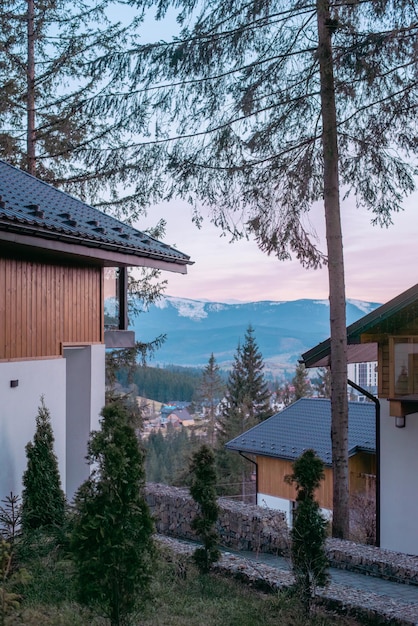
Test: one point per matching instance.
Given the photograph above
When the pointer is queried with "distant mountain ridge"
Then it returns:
(195, 328)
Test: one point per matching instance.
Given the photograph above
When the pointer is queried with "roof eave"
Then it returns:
(320, 354)
(272, 455)
(106, 253)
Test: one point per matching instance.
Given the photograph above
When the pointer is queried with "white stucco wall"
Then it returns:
(18, 410)
(74, 392)
(85, 400)
(278, 504)
(399, 483)
(283, 505)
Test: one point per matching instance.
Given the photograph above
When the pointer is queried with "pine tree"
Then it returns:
(246, 404)
(301, 383)
(211, 389)
(323, 382)
(157, 462)
(56, 111)
(112, 531)
(43, 500)
(232, 469)
(309, 560)
(286, 394)
(257, 390)
(247, 394)
(203, 491)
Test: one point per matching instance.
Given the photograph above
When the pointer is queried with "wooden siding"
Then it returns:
(44, 305)
(407, 326)
(271, 474)
(383, 370)
(362, 469)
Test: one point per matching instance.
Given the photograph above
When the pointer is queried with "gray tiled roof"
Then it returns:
(30, 206)
(307, 424)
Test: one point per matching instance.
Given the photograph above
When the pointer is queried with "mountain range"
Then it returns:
(194, 329)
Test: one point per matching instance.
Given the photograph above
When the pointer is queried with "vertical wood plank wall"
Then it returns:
(42, 305)
(362, 467)
(271, 473)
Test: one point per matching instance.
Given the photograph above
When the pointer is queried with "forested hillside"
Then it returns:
(165, 384)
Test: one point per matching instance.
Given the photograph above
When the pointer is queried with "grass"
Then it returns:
(180, 597)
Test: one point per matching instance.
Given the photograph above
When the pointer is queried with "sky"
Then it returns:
(379, 262)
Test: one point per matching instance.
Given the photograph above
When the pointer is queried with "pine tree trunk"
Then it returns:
(339, 406)
(30, 143)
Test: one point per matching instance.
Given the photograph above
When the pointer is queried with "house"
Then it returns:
(278, 441)
(166, 411)
(176, 414)
(183, 416)
(390, 335)
(59, 258)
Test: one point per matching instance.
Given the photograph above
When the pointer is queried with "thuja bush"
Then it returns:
(203, 491)
(308, 534)
(111, 540)
(43, 500)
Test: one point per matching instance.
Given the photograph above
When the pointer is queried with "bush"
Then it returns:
(111, 538)
(203, 491)
(43, 500)
(308, 535)
(363, 518)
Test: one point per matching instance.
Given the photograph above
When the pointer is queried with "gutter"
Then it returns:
(377, 413)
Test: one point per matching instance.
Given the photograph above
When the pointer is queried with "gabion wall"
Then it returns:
(240, 526)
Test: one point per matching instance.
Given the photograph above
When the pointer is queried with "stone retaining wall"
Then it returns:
(240, 526)
(394, 566)
(258, 529)
(366, 606)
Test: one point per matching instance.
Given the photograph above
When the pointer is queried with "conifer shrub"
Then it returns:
(9, 601)
(203, 492)
(111, 539)
(309, 531)
(43, 500)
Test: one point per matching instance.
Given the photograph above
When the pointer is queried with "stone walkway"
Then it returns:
(390, 602)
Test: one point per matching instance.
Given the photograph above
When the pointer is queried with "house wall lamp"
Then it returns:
(400, 421)
(14, 383)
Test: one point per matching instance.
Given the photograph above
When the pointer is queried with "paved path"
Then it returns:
(395, 603)
(397, 591)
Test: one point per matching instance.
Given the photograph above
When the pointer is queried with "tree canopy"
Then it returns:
(56, 118)
(239, 112)
(301, 383)
(265, 109)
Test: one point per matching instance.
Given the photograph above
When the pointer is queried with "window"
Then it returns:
(115, 298)
(362, 375)
(403, 358)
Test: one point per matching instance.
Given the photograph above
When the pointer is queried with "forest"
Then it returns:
(164, 384)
